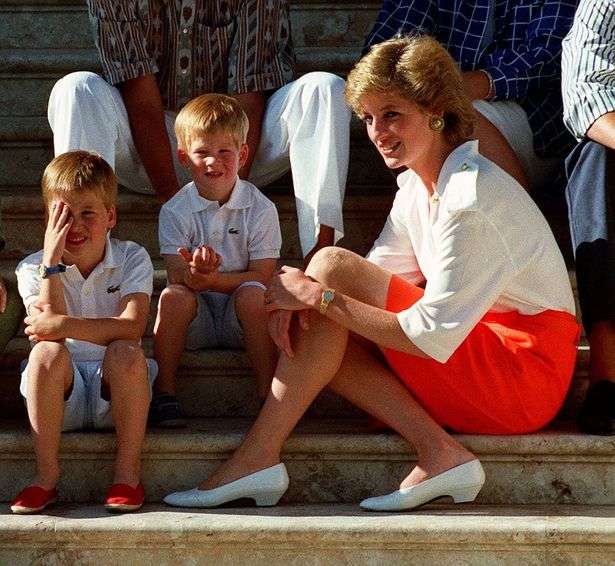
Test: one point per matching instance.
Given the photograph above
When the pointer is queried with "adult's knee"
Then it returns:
(325, 87)
(78, 84)
(51, 357)
(328, 264)
(178, 300)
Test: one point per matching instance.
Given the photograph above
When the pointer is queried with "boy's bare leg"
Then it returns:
(50, 377)
(125, 383)
(176, 310)
(249, 306)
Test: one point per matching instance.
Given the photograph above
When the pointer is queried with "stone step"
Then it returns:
(220, 383)
(23, 228)
(332, 535)
(329, 461)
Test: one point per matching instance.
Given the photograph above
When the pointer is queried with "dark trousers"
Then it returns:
(590, 194)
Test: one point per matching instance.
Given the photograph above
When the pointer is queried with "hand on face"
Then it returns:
(58, 225)
(44, 325)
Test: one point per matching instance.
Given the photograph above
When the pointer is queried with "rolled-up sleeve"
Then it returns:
(173, 231)
(588, 67)
(121, 39)
(535, 60)
(137, 273)
(265, 238)
(471, 268)
(261, 57)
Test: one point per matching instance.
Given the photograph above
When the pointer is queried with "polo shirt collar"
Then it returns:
(113, 258)
(240, 198)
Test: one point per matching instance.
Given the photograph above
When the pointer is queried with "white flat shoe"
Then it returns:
(265, 487)
(462, 483)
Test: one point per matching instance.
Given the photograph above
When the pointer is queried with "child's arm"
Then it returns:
(52, 289)
(129, 325)
(258, 270)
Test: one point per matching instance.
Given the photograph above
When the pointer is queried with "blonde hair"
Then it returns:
(79, 172)
(211, 113)
(420, 70)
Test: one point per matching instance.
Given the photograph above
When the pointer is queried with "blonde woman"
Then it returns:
(465, 293)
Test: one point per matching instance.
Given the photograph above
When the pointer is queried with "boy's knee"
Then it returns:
(124, 357)
(50, 356)
(249, 302)
(177, 299)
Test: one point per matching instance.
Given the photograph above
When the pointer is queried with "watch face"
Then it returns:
(328, 295)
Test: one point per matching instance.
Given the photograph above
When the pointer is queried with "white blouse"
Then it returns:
(480, 244)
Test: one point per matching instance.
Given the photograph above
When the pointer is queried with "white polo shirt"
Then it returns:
(479, 242)
(125, 269)
(244, 228)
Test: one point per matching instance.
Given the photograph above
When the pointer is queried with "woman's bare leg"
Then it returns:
(323, 357)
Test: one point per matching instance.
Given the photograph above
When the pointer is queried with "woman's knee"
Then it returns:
(329, 264)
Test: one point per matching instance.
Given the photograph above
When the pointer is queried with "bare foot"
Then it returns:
(445, 461)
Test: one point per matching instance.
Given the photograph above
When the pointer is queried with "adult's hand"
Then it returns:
(279, 325)
(291, 289)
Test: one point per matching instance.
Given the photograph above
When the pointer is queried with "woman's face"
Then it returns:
(398, 128)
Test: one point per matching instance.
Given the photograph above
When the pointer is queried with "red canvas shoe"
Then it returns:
(121, 498)
(33, 499)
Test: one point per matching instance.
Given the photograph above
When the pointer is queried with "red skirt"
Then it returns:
(509, 376)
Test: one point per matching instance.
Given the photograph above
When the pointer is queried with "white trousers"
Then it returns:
(305, 128)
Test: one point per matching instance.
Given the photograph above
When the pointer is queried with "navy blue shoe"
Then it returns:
(164, 412)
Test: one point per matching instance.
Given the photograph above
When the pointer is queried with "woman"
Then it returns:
(489, 344)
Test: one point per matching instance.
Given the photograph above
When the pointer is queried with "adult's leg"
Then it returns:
(306, 127)
(50, 376)
(322, 358)
(125, 383)
(591, 203)
(85, 112)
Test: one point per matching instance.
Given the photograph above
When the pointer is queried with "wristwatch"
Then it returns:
(327, 296)
(45, 271)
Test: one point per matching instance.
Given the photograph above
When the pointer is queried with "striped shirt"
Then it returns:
(195, 46)
(588, 66)
(523, 57)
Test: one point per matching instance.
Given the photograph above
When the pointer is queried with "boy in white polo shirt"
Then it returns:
(220, 239)
(87, 300)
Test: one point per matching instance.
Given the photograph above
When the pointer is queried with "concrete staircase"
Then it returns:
(548, 495)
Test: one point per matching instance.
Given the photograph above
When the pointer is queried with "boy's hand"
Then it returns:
(198, 281)
(203, 259)
(60, 221)
(45, 325)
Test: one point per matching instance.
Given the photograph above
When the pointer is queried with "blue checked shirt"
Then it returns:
(523, 57)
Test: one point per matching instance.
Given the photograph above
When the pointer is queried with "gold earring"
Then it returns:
(436, 123)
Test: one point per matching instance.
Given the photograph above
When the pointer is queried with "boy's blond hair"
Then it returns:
(420, 70)
(211, 113)
(79, 172)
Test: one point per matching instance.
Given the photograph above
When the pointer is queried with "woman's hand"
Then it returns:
(291, 289)
(60, 221)
(279, 328)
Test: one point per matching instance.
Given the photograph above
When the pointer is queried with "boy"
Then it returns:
(220, 238)
(87, 300)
